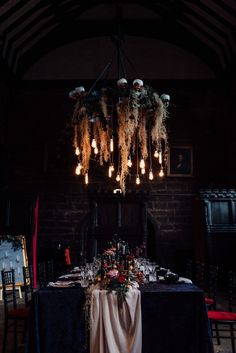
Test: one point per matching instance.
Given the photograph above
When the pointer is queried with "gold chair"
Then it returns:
(28, 284)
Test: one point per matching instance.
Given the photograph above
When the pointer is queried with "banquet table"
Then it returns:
(174, 319)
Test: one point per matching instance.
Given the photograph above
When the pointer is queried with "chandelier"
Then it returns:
(123, 128)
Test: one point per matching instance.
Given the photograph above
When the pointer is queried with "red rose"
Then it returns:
(121, 279)
(139, 276)
(120, 267)
(130, 257)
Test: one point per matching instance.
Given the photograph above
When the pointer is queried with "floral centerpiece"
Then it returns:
(118, 269)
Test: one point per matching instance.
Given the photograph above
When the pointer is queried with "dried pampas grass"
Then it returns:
(102, 138)
(158, 130)
(103, 103)
(139, 124)
(85, 146)
(142, 134)
(75, 140)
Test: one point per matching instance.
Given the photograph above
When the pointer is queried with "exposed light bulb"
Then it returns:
(142, 163)
(156, 154)
(118, 177)
(99, 139)
(150, 176)
(129, 163)
(161, 173)
(137, 180)
(94, 143)
(110, 171)
(160, 157)
(86, 178)
(78, 169)
(111, 145)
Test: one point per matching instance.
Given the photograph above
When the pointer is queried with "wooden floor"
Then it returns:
(224, 347)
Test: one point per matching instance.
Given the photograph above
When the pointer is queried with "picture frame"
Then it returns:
(180, 161)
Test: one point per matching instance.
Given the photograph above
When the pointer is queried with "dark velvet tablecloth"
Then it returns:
(174, 320)
(59, 324)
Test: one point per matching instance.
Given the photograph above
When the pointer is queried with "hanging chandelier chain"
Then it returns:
(115, 123)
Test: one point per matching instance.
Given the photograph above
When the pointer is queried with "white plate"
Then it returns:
(60, 284)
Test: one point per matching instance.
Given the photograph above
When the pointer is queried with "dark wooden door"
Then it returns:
(125, 217)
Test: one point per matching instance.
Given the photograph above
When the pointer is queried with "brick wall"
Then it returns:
(39, 162)
(62, 215)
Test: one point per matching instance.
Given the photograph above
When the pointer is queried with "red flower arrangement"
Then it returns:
(118, 270)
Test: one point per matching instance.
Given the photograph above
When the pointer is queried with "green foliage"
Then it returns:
(118, 270)
(16, 241)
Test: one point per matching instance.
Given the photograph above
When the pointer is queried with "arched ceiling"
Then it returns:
(30, 29)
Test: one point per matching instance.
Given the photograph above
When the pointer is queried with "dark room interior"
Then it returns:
(183, 49)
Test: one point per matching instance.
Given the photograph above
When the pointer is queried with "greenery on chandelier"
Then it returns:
(123, 127)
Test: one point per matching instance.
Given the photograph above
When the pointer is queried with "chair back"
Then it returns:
(50, 271)
(42, 274)
(28, 284)
(232, 291)
(200, 278)
(45, 272)
(9, 289)
(189, 269)
(212, 287)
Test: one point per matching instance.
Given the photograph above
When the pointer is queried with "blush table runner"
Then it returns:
(113, 328)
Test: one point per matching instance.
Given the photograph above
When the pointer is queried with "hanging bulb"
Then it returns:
(95, 150)
(156, 154)
(150, 176)
(160, 157)
(94, 143)
(129, 163)
(112, 168)
(142, 163)
(137, 180)
(110, 171)
(143, 171)
(86, 178)
(118, 177)
(77, 151)
(161, 173)
(78, 169)
(111, 145)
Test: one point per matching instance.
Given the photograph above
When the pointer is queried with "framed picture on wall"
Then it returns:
(180, 161)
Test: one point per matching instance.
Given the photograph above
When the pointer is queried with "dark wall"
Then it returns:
(201, 114)
(38, 161)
